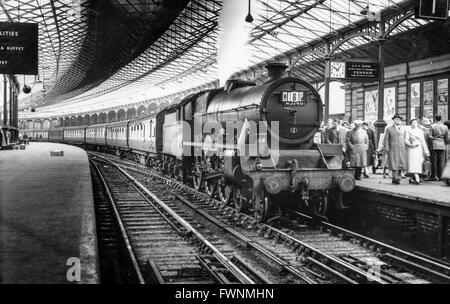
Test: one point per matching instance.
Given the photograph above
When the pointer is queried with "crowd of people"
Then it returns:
(410, 150)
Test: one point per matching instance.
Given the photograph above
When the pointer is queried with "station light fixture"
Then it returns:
(249, 17)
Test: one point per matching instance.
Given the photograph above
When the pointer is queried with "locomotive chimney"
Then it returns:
(275, 70)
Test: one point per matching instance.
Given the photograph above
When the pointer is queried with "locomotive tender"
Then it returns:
(264, 160)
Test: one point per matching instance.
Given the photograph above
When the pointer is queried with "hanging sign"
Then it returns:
(18, 48)
(432, 9)
(354, 70)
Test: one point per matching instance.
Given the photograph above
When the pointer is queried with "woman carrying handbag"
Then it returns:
(416, 151)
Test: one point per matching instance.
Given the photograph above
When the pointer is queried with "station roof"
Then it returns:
(99, 54)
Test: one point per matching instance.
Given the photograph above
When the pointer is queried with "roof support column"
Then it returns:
(327, 83)
(380, 124)
(11, 110)
(5, 101)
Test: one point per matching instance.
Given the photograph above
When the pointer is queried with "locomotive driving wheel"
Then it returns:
(224, 192)
(240, 200)
(209, 188)
(196, 178)
(261, 210)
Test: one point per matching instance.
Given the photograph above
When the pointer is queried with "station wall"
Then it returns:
(412, 89)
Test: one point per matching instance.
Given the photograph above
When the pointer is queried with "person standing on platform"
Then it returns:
(357, 143)
(416, 151)
(394, 146)
(372, 146)
(342, 131)
(438, 136)
(25, 139)
(332, 134)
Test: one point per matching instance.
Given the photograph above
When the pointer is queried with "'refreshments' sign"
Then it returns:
(18, 48)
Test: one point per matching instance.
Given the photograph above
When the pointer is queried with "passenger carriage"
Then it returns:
(96, 134)
(75, 134)
(117, 135)
(141, 137)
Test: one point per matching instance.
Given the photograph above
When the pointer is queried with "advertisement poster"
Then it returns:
(415, 100)
(442, 98)
(371, 105)
(428, 92)
(389, 103)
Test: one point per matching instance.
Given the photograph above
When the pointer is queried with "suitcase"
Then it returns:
(426, 169)
(446, 174)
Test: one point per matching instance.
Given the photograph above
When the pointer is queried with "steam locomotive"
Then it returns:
(246, 144)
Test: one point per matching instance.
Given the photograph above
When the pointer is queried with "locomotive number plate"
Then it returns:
(293, 99)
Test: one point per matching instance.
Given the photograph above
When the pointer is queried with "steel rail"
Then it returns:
(219, 255)
(121, 225)
(443, 270)
(248, 242)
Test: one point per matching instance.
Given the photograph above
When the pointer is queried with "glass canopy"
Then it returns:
(191, 51)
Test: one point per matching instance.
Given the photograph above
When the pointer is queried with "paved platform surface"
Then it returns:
(46, 216)
(429, 191)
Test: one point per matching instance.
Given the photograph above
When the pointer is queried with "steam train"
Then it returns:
(245, 144)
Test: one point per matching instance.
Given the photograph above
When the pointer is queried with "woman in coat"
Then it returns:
(357, 144)
(416, 151)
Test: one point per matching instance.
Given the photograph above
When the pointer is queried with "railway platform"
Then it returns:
(47, 220)
(432, 193)
(417, 216)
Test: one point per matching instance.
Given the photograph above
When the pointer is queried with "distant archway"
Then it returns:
(152, 107)
(73, 121)
(94, 119)
(87, 119)
(112, 116)
(141, 111)
(80, 120)
(37, 124)
(46, 124)
(131, 113)
(121, 115)
(66, 122)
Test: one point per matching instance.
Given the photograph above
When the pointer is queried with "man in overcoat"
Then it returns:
(357, 144)
(394, 146)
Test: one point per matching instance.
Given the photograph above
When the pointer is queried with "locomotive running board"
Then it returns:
(212, 176)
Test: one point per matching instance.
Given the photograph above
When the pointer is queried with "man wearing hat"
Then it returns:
(394, 146)
(357, 144)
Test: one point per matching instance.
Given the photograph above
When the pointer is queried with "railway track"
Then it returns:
(161, 245)
(318, 252)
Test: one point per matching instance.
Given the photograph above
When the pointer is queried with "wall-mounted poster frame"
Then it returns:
(390, 102)
(414, 99)
(433, 97)
(428, 99)
(371, 105)
(442, 97)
